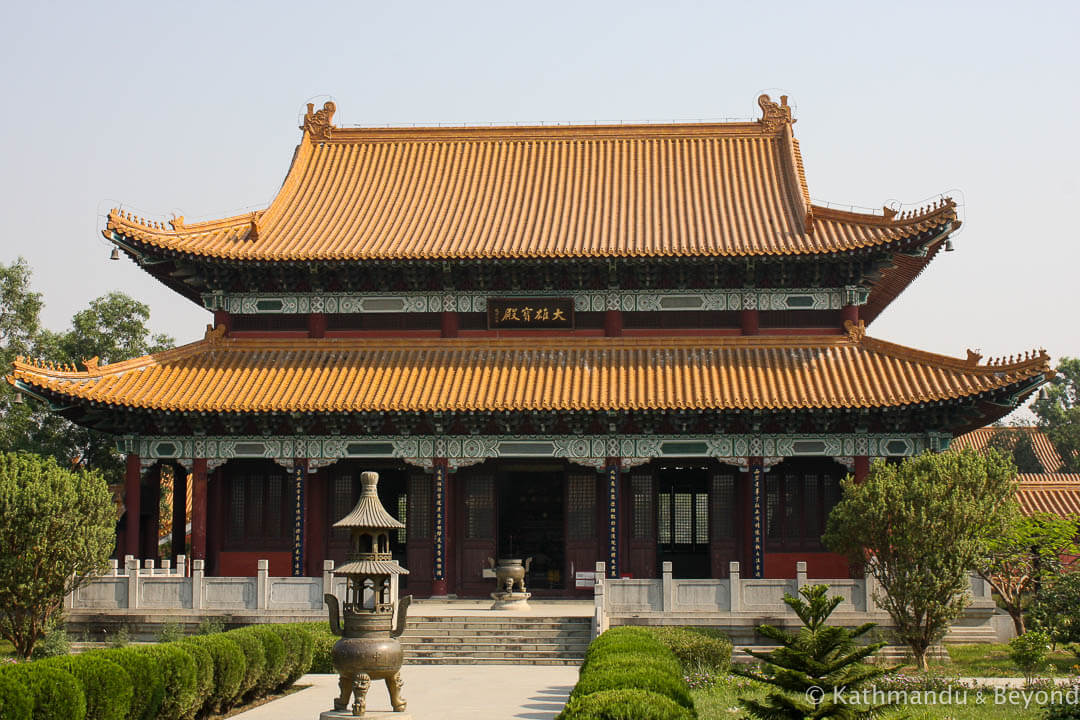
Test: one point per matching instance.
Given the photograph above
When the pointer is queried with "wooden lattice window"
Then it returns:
(798, 500)
(581, 507)
(480, 506)
(258, 504)
(342, 503)
(420, 507)
(641, 487)
(723, 501)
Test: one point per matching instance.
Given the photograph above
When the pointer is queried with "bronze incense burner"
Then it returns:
(368, 649)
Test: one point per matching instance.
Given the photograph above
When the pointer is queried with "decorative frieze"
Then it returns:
(584, 301)
(586, 450)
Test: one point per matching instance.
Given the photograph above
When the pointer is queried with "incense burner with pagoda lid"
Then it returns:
(368, 649)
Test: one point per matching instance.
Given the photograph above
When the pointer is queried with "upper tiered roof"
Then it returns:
(547, 192)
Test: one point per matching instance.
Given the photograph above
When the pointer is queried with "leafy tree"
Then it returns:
(1015, 442)
(112, 328)
(1055, 609)
(918, 527)
(1058, 410)
(816, 670)
(56, 531)
(1026, 553)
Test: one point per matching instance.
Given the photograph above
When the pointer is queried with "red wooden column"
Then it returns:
(850, 313)
(750, 322)
(198, 509)
(862, 467)
(613, 323)
(179, 513)
(132, 481)
(317, 325)
(449, 324)
(222, 318)
(440, 536)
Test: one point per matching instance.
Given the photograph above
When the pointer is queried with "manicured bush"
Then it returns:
(254, 659)
(624, 705)
(57, 694)
(665, 662)
(146, 680)
(16, 702)
(204, 675)
(229, 667)
(177, 669)
(321, 661)
(621, 640)
(307, 651)
(630, 678)
(106, 685)
(697, 647)
(274, 648)
(293, 637)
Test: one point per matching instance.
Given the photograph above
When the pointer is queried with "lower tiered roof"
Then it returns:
(230, 375)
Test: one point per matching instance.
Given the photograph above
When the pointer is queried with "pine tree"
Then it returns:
(814, 671)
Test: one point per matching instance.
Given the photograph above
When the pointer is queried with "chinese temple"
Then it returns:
(576, 343)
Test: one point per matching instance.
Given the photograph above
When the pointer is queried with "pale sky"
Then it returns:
(192, 108)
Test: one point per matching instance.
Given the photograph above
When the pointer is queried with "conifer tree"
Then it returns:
(816, 670)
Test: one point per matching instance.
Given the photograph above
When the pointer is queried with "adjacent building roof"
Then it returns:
(1044, 450)
(221, 374)
(678, 190)
(1057, 493)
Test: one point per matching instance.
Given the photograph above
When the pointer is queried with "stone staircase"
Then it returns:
(522, 640)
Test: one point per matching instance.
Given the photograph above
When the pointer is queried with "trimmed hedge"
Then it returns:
(106, 686)
(179, 676)
(630, 678)
(57, 694)
(624, 705)
(16, 702)
(204, 675)
(274, 648)
(697, 647)
(228, 669)
(254, 659)
(293, 637)
(663, 663)
(321, 661)
(146, 680)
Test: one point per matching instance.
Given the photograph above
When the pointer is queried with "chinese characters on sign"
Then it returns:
(298, 522)
(522, 313)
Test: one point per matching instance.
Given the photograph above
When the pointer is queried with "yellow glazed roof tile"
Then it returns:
(1057, 493)
(678, 190)
(1045, 452)
(334, 375)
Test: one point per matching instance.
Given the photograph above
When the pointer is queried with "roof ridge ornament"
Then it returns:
(774, 115)
(91, 364)
(973, 357)
(319, 123)
(855, 331)
(214, 335)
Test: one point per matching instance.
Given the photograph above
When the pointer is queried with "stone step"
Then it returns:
(465, 632)
(500, 647)
(491, 661)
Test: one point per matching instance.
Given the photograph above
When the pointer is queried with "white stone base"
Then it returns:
(511, 600)
(369, 715)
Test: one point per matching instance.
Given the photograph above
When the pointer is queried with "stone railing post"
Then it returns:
(800, 576)
(197, 588)
(868, 589)
(599, 620)
(734, 587)
(166, 567)
(181, 565)
(262, 584)
(114, 567)
(148, 567)
(668, 593)
(328, 577)
(131, 565)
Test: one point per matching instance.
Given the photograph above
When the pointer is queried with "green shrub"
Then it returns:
(1029, 651)
(307, 651)
(171, 632)
(211, 626)
(120, 638)
(204, 675)
(254, 659)
(274, 648)
(644, 678)
(697, 647)
(1062, 711)
(57, 694)
(623, 639)
(229, 669)
(321, 661)
(106, 685)
(664, 662)
(146, 680)
(624, 705)
(16, 702)
(179, 677)
(293, 638)
(55, 642)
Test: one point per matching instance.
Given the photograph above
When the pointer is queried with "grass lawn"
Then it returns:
(993, 661)
(720, 702)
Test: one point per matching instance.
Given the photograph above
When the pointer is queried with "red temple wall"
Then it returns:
(822, 565)
(245, 564)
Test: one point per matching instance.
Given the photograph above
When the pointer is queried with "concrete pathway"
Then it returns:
(443, 692)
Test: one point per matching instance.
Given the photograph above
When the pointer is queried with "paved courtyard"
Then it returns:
(444, 692)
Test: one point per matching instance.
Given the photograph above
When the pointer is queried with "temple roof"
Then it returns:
(1057, 493)
(546, 192)
(222, 374)
(1044, 450)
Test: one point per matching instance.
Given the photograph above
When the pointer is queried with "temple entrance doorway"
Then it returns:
(682, 520)
(531, 524)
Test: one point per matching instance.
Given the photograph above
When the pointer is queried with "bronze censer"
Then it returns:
(368, 649)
